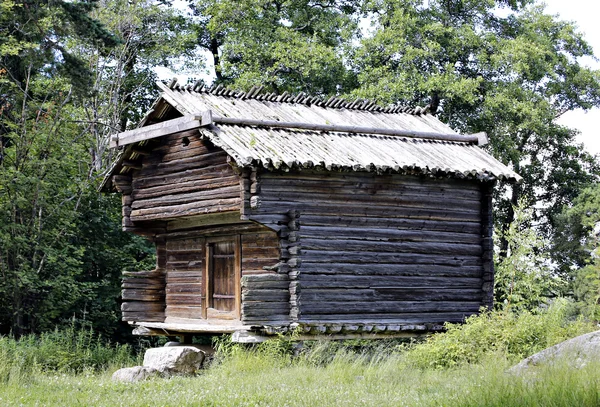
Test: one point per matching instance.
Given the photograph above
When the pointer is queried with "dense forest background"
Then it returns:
(74, 72)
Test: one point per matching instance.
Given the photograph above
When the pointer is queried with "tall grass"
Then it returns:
(70, 350)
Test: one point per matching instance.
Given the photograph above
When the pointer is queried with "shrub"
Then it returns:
(514, 335)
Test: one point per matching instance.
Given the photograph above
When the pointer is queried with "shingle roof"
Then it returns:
(276, 148)
(287, 146)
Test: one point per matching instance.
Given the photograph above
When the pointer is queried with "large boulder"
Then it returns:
(577, 352)
(174, 360)
(134, 374)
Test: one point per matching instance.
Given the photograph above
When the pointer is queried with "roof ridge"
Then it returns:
(303, 98)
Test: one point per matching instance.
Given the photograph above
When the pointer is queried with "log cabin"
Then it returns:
(272, 213)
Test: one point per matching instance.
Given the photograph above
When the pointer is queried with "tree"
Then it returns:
(284, 45)
(510, 73)
(524, 277)
(576, 249)
(45, 168)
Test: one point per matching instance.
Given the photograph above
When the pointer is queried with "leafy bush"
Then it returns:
(515, 335)
(70, 350)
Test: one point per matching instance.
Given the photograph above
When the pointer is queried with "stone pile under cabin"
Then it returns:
(273, 213)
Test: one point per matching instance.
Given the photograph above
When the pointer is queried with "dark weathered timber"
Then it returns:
(385, 318)
(326, 242)
(386, 223)
(391, 269)
(352, 281)
(339, 307)
(390, 294)
(327, 256)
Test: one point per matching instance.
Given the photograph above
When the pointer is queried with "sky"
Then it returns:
(584, 13)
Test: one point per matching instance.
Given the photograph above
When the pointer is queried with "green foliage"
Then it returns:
(286, 46)
(524, 279)
(70, 350)
(513, 335)
(575, 248)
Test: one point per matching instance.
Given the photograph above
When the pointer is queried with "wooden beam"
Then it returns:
(472, 139)
(165, 128)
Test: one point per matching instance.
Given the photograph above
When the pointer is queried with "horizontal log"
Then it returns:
(266, 295)
(186, 187)
(337, 307)
(249, 305)
(160, 129)
(393, 282)
(369, 187)
(144, 274)
(386, 318)
(140, 306)
(356, 245)
(185, 198)
(326, 256)
(172, 167)
(264, 277)
(150, 180)
(180, 274)
(196, 208)
(248, 286)
(199, 222)
(143, 316)
(266, 313)
(367, 177)
(184, 287)
(391, 269)
(184, 299)
(386, 223)
(269, 252)
(390, 294)
(391, 211)
(388, 234)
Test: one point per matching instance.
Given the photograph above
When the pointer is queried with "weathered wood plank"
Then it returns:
(387, 234)
(196, 208)
(385, 318)
(337, 307)
(158, 180)
(390, 294)
(366, 177)
(433, 248)
(387, 222)
(211, 182)
(185, 198)
(396, 282)
(327, 256)
(161, 129)
(391, 269)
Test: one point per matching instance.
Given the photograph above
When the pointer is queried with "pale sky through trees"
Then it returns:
(585, 15)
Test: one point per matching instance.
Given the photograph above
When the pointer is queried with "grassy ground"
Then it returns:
(250, 379)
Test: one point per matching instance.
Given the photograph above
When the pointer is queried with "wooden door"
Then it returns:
(222, 280)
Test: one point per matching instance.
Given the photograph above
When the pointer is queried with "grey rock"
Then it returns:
(174, 360)
(577, 352)
(134, 374)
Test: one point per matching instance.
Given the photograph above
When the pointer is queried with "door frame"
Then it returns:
(206, 276)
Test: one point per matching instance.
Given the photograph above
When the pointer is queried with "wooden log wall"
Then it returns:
(181, 175)
(263, 298)
(380, 248)
(143, 294)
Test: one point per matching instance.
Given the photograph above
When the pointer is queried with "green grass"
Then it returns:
(466, 366)
(253, 379)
